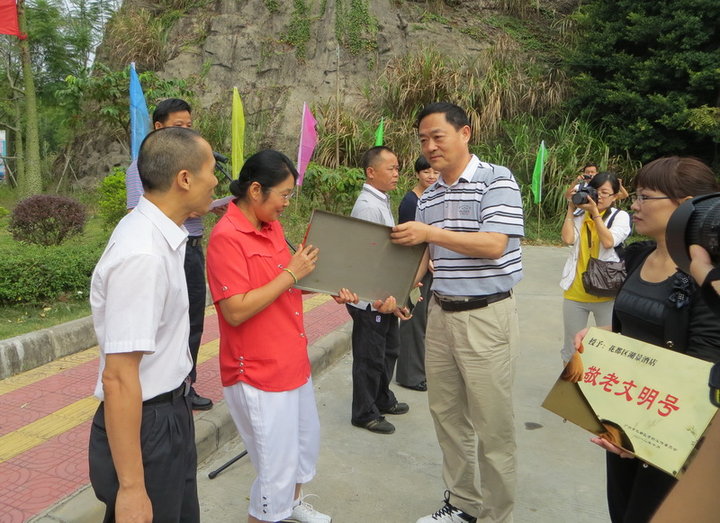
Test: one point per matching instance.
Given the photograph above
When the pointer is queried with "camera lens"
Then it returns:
(579, 198)
(697, 221)
(704, 225)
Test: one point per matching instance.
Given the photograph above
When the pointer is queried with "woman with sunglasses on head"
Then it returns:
(657, 304)
(593, 234)
(264, 363)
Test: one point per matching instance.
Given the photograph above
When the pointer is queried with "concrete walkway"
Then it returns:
(365, 477)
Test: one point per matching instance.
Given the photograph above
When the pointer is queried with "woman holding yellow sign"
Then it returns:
(657, 304)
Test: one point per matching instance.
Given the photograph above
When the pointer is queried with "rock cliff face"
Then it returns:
(281, 53)
(248, 44)
(244, 48)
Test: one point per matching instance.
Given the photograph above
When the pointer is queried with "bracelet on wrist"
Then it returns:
(291, 273)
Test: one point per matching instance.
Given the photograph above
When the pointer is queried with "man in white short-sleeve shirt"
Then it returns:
(142, 455)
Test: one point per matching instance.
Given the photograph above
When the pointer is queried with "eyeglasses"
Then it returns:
(285, 196)
(605, 195)
(643, 198)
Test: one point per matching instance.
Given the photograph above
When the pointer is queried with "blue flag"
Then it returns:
(139, 117)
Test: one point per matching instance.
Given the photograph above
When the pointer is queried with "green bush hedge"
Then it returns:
(36, 274)
(113, 202)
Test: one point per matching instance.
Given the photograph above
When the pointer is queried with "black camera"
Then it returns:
(584, 194)
(696, 221)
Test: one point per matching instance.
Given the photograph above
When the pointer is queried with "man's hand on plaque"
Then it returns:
(410, 233)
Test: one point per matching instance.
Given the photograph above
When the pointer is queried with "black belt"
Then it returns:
(194, 241)
(169, 397)
(472, 302)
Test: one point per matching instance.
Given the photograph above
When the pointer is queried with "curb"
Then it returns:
(27, 351)
(213, 429)
(33, 349)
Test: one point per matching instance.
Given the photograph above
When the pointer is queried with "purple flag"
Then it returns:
(308, 141)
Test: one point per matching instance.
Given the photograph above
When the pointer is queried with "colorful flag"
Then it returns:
(379, 132)
(308, 141)
(237, 153)
(537, 176)
(139, 117)
(9, 19)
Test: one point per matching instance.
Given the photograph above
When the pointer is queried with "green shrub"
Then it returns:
(333, 190)
(36, 274)
(112, 202)
(3, 212)
(45, 219)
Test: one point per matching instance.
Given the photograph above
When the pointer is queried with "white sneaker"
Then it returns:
(305, 513)
(448, 514)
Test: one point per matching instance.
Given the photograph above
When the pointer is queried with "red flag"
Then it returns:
(9, 19)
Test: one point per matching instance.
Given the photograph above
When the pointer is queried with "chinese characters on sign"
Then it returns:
(656, 397)
(645, 397)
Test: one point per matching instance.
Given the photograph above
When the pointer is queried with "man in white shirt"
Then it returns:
(375, 336)
(143, 462)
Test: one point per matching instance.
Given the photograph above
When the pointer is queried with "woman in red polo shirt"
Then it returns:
(264, 362)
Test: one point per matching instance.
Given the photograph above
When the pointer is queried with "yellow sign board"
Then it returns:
(658, 398)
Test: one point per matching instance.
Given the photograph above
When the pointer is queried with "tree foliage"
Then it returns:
(109, 90)
(649, 72)
(62, 37)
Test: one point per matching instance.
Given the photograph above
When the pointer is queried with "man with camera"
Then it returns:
(586, 174)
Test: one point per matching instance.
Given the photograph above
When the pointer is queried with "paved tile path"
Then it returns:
(47, 413)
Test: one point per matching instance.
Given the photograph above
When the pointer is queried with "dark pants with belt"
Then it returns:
(375, 345)
(411, 361)
(195, 276)
(167, 440)
(634, 490)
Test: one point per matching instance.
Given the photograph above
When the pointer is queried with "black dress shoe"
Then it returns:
(422, 386)
(379, 426)
(398, 408)
(198, 402)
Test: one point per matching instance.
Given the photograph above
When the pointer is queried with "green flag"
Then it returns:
(379, 132)
(537, 176)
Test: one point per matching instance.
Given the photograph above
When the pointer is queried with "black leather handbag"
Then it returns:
(604, 278)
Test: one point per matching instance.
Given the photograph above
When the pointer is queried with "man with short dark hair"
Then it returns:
(472, 218)
(143, 462)
(175, 112)
(375, 336)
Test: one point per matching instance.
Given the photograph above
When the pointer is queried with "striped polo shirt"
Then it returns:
(485, 198)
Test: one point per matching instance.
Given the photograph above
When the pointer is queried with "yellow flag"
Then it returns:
(238, 134)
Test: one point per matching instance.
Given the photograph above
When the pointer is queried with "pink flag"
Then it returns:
(308, 141)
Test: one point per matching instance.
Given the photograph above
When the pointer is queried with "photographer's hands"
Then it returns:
(701, 265)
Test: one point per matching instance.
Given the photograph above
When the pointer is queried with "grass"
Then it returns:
(20, 319)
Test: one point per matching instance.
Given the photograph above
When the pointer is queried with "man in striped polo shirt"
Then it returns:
(472, 219)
